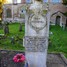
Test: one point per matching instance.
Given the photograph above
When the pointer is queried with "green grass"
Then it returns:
(58, 41)
(14, 32)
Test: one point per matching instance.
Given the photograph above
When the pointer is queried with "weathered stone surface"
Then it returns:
(6, 29)
(37, 22)
(20, 27)
(34, 59)
(56, 60)
(35, 44)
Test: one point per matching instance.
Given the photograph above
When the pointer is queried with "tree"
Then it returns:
(65, 2)
(1, 9)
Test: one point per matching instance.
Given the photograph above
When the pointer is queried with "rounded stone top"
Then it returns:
(36, 7)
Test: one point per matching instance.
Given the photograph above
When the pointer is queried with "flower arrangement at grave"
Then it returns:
(19, 58)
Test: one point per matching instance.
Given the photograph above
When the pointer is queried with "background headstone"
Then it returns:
(12, 40)
(6, 28)
(20, 27)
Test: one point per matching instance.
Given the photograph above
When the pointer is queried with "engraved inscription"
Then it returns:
(35, 44)
(37, 21)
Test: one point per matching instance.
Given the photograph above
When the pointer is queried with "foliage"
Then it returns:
(4, 1)
(0, 9)
(65, 14)
(44, 11)
(65, 2)
(58, 40)
(1, 5)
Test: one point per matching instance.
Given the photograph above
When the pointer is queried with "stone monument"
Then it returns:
(36, 35)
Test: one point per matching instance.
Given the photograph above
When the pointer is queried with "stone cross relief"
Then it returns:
(36, 20)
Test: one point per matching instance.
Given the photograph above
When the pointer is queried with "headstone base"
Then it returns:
(36, 59)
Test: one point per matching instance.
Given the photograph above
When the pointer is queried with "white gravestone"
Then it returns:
(36, 36)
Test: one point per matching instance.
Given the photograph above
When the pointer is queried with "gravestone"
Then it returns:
(12, 40)
(1, 26)
(6, 28)
(36, 35)
(20, 27)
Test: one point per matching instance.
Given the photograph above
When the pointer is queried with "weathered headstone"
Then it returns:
(36, 35)
(20, 27)
(63, 26)
(6, 28)
(1, 26)
(12, 40)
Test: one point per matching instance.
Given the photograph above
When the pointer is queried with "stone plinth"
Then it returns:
(56, 60)
(36, 50)
(36, 59)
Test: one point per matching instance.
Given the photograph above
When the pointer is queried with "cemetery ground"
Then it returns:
(57, 40)
(6, 40)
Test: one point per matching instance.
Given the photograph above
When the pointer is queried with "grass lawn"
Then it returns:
(14, 32)
(58, 40)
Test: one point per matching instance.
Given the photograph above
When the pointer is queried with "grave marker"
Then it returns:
(36, 35)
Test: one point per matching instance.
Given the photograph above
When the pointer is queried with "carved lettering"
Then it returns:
(35, 44)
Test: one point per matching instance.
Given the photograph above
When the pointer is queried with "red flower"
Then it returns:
(19, 58)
